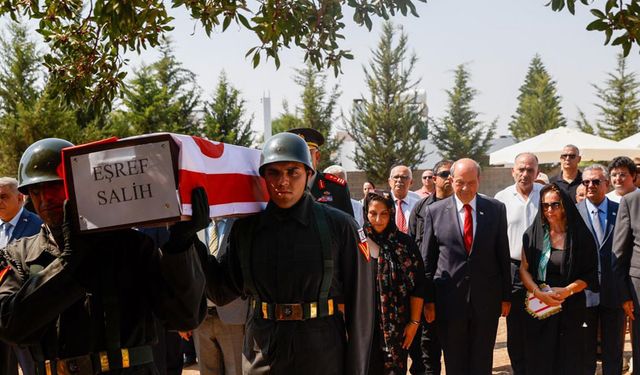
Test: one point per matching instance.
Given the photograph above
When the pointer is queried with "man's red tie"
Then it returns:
(468, 228)
(401, 221)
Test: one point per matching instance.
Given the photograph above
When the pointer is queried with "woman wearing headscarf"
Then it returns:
(399, 277)
(559, 260)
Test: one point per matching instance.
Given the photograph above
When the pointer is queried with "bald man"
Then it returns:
(467, 267)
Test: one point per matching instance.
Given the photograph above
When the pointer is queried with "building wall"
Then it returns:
(492, 180)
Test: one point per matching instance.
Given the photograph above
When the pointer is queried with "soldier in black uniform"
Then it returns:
(83, 304)
(306, 268)
(325, 187)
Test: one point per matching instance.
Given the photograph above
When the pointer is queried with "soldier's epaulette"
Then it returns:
(336, 179)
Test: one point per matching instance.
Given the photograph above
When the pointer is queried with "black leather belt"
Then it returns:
(291, 311)
(96, 363)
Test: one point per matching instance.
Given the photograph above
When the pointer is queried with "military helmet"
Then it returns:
(285, 147)
(39, 163)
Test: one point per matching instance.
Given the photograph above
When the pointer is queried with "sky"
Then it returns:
(496, 39)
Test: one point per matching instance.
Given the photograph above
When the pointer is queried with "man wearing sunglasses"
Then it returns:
(604, 309)
(428, 184)
(430, 345)
(521, 200)
(570, 176)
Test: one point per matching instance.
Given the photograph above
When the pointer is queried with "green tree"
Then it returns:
(621, 17)
(224, 116)
(385, 127)
(287, 120)
(87, 39)
(28, 111)
(162, 96)
(459, 134)
(619, 103)
(538, 104)
(318, 110)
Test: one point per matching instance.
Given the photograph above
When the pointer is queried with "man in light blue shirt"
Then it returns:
(15, 222)
(604, 309)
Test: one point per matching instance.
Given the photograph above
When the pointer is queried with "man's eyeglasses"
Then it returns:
(568, 156)
(595, 182)
(443, 174)
(553, 205)
(427, 177)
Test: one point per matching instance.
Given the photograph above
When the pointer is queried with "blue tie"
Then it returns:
(4, 239)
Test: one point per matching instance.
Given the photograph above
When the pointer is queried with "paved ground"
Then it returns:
(501, 365)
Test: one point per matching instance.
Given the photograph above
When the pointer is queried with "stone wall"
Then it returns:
(492, 180)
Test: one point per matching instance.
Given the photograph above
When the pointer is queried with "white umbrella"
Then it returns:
(548, 147)
(633, 141)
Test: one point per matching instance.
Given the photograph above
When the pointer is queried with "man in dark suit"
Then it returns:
(626, 249)
(15, 222)
(604, 309)
(467, 266)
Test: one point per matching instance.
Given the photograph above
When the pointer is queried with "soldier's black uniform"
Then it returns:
(77, 312)
(286, 262)
(332, 190)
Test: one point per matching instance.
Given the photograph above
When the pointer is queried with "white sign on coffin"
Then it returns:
(138, 177)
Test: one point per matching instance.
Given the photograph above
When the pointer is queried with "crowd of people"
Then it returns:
(319, 283)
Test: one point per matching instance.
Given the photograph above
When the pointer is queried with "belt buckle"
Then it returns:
(289, 312)
(125, 358)
(104, 361)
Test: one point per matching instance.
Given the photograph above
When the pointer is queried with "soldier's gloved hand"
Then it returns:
(183, 233)
(71, 242)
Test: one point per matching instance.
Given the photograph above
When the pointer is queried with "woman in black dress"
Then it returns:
(399, 276)
(559, 252)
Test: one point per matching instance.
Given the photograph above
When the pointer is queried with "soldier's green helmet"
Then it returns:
(39, 163)
(285, 147)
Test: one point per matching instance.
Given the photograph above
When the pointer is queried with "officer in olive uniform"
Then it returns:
(84, 304)
(325, 187)
(306, 268)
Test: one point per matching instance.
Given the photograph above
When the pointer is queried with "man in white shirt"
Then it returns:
(521, 200)
(623, 175)
(400, 180)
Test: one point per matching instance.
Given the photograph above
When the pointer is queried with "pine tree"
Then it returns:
(223, 116)
(385, 127)
(317, 111)
(162, 96)
(28, 112)
(459, 134)
(620, 103)
(287, 120)
(539, 104)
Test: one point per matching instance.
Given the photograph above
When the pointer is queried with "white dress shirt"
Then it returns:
(520, 214)
(462, 213)
(615, 197)
(408, 202)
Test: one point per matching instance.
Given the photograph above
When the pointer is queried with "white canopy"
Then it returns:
(633, 141)
(548, 146)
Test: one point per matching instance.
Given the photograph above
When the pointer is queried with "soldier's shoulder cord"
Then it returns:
(335, 179)
(6, 259)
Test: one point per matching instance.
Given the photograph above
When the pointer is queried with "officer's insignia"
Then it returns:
(336, 179)
(363, 246)
(327, 197)
(4, 272)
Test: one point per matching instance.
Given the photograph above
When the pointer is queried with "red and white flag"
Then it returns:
(228, 173)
